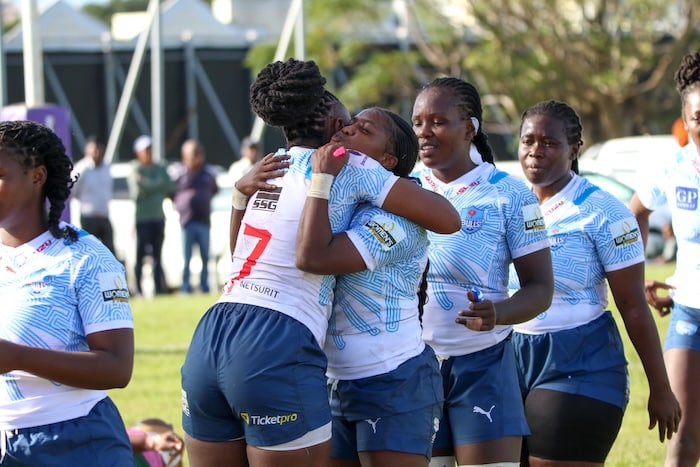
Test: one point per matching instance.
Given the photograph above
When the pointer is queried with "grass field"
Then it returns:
(164, 325)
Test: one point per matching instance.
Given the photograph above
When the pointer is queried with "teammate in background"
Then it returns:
(385, 386)
(571, 359)
(483, 420)
(93, 188)
(678, 184)
(253, 381)
(66, 330)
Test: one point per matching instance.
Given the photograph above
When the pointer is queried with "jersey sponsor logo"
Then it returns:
(185, 404)
(532, 216)
(472, 219)
(686, 328)
(258, 288)
(268, 419)
(266, 200)
(113, 287)
(625, 232)
(373, 424)
(38, 287)
(386, 231)
(686, 198)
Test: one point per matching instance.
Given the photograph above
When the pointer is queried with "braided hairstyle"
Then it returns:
(291, 95)
(468, 102)
(687, 75)
(566, 114)
(34, 145)
(404, 143)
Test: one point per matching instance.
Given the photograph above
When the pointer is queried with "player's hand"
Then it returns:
(665, 412)
(481, 316)
(329, 158)
(268, 168)
(661, 303)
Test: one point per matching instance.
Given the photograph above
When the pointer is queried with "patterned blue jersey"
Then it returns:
(374, 326)
(264, 271)
(55, 293)
(591, 233)
(501, 221)
(678, 183)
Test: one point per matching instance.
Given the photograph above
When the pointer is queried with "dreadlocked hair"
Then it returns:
(404, 143)
(687, 75)
(35, 145)
(468, 103)
(291, 95)
(566, 114)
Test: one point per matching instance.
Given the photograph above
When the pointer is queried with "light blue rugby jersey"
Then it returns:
(374, 325)
(591, 233)
(678, 182)
(264, 271)
(501, 220)
(56, 292)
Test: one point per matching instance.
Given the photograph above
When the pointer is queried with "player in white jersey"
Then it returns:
(66, 331)
(483, 420)
(385, 386)
(677, 182)
(254, 385)
(571, 358)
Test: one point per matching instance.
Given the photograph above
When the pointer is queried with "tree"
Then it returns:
(611, 60)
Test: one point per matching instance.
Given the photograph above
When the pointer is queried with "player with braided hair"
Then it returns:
(573, 370)
(678, 184)
(483, 419)
(66, 330)
(253, 381)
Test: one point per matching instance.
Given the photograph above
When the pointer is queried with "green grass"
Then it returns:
(164, 325)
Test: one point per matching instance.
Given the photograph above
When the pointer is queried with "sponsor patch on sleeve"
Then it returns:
(532, 215)
(113, 287)
(387, 232)
(625, 232)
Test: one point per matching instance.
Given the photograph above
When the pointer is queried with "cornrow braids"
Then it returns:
(564, 113)
(35, 145)
(291, 95)
(404, 143)
(468, 102)
(687, 75)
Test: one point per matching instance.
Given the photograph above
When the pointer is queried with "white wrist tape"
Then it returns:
(239, 201)
(320, 186)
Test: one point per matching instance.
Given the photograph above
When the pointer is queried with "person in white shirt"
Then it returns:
(66, 328)
(678, 184)
(250, 154)
(93, 188)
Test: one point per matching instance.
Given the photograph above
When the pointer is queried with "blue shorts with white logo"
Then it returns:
(396, 411)
(253, 372)
(587, 360)
(482, 398)
(683, 329)
(98, 438)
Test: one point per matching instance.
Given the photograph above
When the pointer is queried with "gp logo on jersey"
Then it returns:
(686, 198)
(266, 200)
(386, 231)
(472, 219)
(532, 216)
(625, 232)
(113, 287)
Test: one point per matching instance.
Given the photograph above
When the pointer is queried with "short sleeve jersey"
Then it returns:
(501, 221)
(264, 271)
(55, 293)
(678, 184)
(591, 233)
(374, 325)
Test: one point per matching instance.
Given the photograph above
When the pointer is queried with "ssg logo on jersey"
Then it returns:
(267, 200)
(113, 287)
(532, 216)
(625, 232)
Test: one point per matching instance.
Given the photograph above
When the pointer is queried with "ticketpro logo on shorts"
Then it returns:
(268, 419)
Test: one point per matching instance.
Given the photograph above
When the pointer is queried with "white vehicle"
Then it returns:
(121, 215)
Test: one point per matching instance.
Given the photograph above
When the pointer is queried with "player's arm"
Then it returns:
(424, 207)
